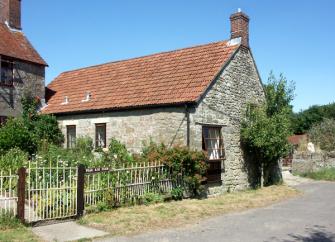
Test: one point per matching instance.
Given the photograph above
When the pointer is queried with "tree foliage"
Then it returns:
(323, 134)
(265, 131)
(315, 114)
(27, 132)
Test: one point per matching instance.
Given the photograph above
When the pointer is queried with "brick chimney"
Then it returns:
(10, 12)
(240, 27)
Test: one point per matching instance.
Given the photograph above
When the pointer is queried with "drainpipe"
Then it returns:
(187, 114)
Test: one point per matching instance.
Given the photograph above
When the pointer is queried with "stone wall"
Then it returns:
(27, 76)
(133, 127)
(303, 162)
(225, 104)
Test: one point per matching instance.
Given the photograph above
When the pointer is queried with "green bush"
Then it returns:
(177, 193)
(84, 145)
(323, 134)
(15, 133)
(152, 198)
(102, 206)
(117, 154)
(45, 127)
(30, 130)
(183, 163)
(13, 159)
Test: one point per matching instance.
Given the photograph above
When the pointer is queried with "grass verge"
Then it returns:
(12, 230)
(327, 174)
(138, 219)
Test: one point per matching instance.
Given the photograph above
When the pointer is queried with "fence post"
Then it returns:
(21, 193)
(80, 190)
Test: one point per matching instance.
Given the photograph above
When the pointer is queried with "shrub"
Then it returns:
(30, 130)
(13, 159)
(177, 193)
(152, 198)
(16, 134)
(84, 145)
(323, 134)
(102, 206)
(45, 127)
(117, 154)
(51, 154)
(182, 162)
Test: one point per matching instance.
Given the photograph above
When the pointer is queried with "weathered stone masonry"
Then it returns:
(224, 104)
(27, 76)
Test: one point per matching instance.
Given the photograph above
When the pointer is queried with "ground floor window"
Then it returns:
(212, 143)
(100, 135)
(3, 120)
(71, 136)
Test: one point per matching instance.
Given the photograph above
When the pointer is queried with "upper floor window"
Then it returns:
(6, 71)
(71, 136)
(100, 135)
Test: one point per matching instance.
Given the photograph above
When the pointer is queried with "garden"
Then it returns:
(112, 178)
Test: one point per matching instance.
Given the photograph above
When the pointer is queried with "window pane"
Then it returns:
(100, 135)
(213, 143)
(71, 136)
(6, 73)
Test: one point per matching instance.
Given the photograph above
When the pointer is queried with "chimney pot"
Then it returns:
(239, 23)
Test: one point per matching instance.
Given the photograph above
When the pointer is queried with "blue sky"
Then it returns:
(295, 38)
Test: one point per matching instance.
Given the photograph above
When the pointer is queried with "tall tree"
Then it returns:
(267, 127)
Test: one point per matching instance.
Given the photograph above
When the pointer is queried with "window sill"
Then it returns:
(215, 160)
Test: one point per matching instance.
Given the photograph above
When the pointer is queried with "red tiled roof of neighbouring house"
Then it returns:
(296, 139)
(14, 44)
(167, 78)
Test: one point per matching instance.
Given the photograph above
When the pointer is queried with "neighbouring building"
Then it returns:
(194, 96)
(21, 67)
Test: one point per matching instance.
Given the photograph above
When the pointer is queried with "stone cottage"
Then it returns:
(21, 67)
(194, 96)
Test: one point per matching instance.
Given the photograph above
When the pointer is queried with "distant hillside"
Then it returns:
(304, 120)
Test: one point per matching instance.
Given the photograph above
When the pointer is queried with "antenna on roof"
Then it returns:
(239, 10)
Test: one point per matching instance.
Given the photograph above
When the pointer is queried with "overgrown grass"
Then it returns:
(327, 174)
(137, 219)
(12, 230)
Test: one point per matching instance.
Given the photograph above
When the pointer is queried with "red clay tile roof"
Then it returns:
(167, 78)
(296, 139)
(14, 44)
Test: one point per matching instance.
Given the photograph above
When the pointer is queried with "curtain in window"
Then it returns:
(100, 135)
(213, 142)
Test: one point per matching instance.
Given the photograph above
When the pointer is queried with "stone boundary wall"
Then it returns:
(308, 162)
